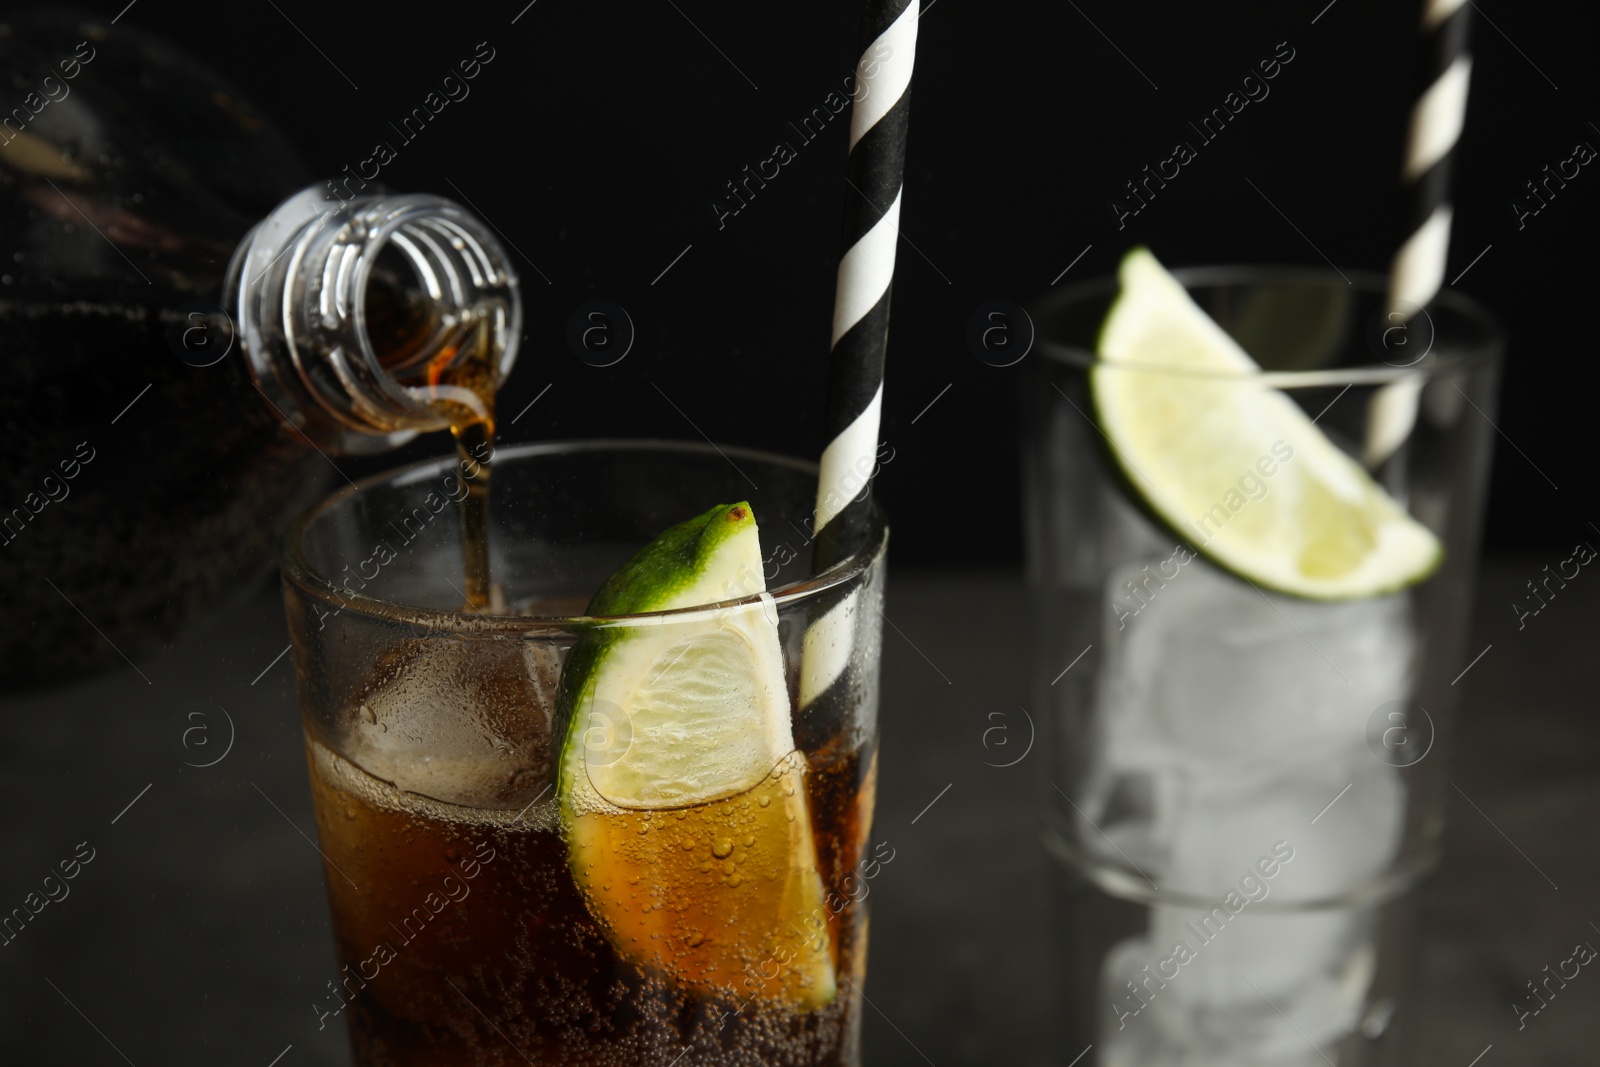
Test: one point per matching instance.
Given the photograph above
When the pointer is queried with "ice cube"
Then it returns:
(1213, 668)
(1315, 957)
(465, 721)
(1206, 679)
(1229, 719)
(1262, 950)
(1152, 1022)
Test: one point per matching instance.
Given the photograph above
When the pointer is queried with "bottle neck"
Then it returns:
(367, 321)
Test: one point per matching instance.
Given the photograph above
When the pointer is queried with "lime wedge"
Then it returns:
(683, 798)
(1234, 466)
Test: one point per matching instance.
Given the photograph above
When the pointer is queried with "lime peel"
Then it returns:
(681, 793)
(1233, 466)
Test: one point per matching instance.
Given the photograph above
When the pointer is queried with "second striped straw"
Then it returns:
(1417, 272)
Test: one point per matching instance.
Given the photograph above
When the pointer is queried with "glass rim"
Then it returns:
(1486, 347)
(297, 569)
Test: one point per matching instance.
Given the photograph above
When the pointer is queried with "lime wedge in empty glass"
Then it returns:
(682, 795)
(1234, 466)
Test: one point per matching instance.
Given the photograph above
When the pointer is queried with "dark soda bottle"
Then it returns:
(185, 320)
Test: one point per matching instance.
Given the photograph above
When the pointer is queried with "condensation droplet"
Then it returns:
(368, 715)
(766, 802)
(735, 878)
(722, 848)
(695, 939)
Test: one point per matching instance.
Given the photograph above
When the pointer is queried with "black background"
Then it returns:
(599, 135)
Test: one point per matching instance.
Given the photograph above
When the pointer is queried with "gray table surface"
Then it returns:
(198, 933)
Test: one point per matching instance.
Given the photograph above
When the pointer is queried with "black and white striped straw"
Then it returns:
(878, 120)
(875, 171)
(1417, 272)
